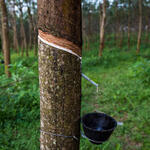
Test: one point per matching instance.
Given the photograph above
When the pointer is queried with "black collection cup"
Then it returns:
(98, 127)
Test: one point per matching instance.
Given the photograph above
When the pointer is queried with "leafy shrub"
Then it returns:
(19, 107)
(141, 70)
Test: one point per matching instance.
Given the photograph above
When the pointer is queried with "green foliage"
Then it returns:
(19, 107)
(123, 79)
(141, 70)
(122, 94)
(0, 45)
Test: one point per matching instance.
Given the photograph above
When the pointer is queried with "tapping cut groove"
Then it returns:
(60, 42)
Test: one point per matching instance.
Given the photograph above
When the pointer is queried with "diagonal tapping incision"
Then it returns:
(60, 43)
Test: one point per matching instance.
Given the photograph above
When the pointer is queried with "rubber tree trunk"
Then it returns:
(59, 74)
(147, 30)
(35, 28)
(102, 28)
(116, 23)
(121, 34)
(129, 23)
(140, 27)
(35, 40)
(5, 37)
(31, 27)
(89, 23)
(88, 37)
(23, 35)
(15, 37)
(118, 30)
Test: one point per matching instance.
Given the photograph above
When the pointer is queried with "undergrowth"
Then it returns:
(124, 93)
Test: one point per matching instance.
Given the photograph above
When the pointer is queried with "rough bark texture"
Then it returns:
(5, 37)
(140, 27)
(60, 75)
(102, 28)
(61, 17)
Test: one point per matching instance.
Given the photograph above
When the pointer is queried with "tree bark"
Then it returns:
(35, 40)
(23, 35)
(31, 28)
(59, 75)
(118, 30)
(5, 37)
(147, 35)
(121, 33)
(15, 37)
(140, 27)
(89, 23)
(147, 30)
(35, 28)
(129, 20)
(116, 24)
(102, 28)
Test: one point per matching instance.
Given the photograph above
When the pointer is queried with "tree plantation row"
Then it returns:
(118, 21)
(42, 101)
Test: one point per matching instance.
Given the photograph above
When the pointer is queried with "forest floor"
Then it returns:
(124, 93)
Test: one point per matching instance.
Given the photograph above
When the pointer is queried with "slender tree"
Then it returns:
(129, 23)
(147, 28)
(35, 28)
(116, 22)
(118, 26)
(89, 22)
(140, 27)
(15, 36)
(121, 33)
(31, 26)
(59, 73)
(35, 40)
(102, 28)
(22, 31)
(5, 37)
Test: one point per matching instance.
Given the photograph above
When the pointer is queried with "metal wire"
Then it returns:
(60, 135)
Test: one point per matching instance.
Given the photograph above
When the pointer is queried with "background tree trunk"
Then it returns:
(35, 40)
(15, 37)
(140, 27)
(89, 24)
(5, 37)
(23, 35)
(121, 35)
(31, 29)
(129, 20)
(102, 28)
(60, 75)
(116, 23)
(147, 30)
(35, 33)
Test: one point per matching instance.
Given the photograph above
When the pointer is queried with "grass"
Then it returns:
(124, 93)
